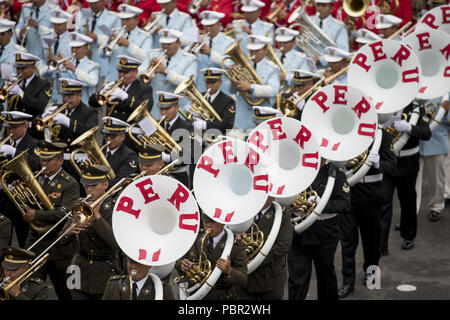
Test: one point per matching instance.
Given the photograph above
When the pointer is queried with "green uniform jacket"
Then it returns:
(32, 289)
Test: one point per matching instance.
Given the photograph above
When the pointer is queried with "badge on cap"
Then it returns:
(161, 97)
(17, 56)
(282, 31)
(64, 84)
(109, 122)
(332, 51)
(123, 60)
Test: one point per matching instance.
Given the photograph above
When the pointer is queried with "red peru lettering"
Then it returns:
(377, 51)
(206, 164)
(362, 107)
(424, 40)
(339, 94)
(145, 192)
(263, 177)
(256, 139)
(126, 205)
(227, 152)
(367, 129)
(320, 98)
(446, 51)
(429, 20)
(445, 14)
(402, 54)
(252, 160)
(180, 195)
(408, 75)
(311, 164)
(277, 133)
(361, 60)
(192, 216)
(303, 136)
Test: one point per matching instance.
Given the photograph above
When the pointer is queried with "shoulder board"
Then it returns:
(37, 280)
(184, 14)
(27, 5)
(66, 176)
(228, 38)
(300, 54)
(19, 47)
(187, 54)
(96, 64)
(267, 24)
(339, 22)
(273, 64)
(118, 277)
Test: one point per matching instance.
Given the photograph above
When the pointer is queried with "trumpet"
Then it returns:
(194, 6)
(151, 73)
(102, 99)
(195, 47)
(23, 40)
(54, 65)
(108, 50)
(6, 139)
(4, 92)
(273, 16)
(152, 27)
(42, 123)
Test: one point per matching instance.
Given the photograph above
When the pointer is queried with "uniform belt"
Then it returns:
(92, 257)
(326, 216)
(408, 152)
(372, 178)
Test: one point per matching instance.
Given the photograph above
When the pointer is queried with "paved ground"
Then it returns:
(427, 266)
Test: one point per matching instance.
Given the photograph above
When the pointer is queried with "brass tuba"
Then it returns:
(90, 146)
(26, 190)
(160, 136)
(241, 70)
(200, 105)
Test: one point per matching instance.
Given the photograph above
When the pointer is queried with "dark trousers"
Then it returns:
(10, 211)
(274, 294)
(408, 208)
(300, 259)
(78, 295)
(56, 270)
(365, 218)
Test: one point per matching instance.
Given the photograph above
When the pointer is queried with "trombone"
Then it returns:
(4, 92)
(42, 123)
(108, 50)
(102, 99)
(151, 73)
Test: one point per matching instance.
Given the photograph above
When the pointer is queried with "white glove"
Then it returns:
(402, 126)
(16, 91)
(165, 157)
(62, 120)
(119, 93)
(199, 124)
(7, 150)
(81, 157)
(374, 159)
(49, 111)
(107, 87)
(311, 198)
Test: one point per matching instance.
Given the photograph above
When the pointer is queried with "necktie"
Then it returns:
(46, 181)
(94, 22)
(134, 291)
(56, 44)
(1, 50)
(168, 60)
(128, 34)
(210, 246)
(210, 43)
(37, 13)
(167, 126)
(167, 21)
(282, 57)
(108, 155)
(320, 24)
(77, 63)
(254, 65)
(209, 99)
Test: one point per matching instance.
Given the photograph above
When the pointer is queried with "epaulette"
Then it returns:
(37, 280)
(118, 277)
(66, 177)
(267, 24)
(188, 54)
(19, 47)
(273, 64)
(300, 54)
(96, 64)
(339, 22)
(184, 14)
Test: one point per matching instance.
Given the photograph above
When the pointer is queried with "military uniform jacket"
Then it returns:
(124, 163)
(33, 41)
(35, 97)
(371, 193)
(180, 138)
(225, 287)
(88, 71)
(82, 119)
(181, 66)
(5, 231)
(225, 108)
(122, 109)
(62, 191)
(438, 143)
(327, 231)
(106, 18)
(178, 20)
(421, 131)
(97, 249)
(272, 273)
(8, 55)
(32, 289)
(119, 288)
(28, 142)
(293, 60)
(259, 27)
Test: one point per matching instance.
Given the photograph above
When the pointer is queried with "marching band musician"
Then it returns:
(173, 19)
(268, 280)
(318, 243)
(270, 76)
(234, 268)
(251, 24)
(150, 158)
(262, 114)
(404, 179)
(337, 59)
(333, 28)
(122, 159)
(33, 22)
(8, 46)
(212, 52)
(80, 67)
(16, 123)
(135, 285)
(179, 129)
(97, 248)
(134, 41)
(57, 46)
(147, 6)
(91, 25)
(289, 57)
(285, 13)
(363, 36)
(62, 190)
(16, 262)
(178, 66)
(123, 100)
(388, 25)
(366, 197)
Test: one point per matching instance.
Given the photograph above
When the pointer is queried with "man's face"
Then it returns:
(52, 165)
(130, 23)
(128, 75)
(324, 9)
(286, 46)
(213, 29)
(17, 132)
(151, 169)
(115, 140)
(168, 7)
(303, 87)
(14, 273)
(96, 190)
(213, 85)
(170, 113)
(215, 227)
(5, 37)
(98, 6)
(73, 100)
(258, 55)
(60, 28)
(80, 52)
(251, 17)
(336, 66)
(142, 270)
(171, 48)
(25, 72)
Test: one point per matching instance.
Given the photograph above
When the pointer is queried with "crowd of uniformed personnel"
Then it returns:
(93, 57)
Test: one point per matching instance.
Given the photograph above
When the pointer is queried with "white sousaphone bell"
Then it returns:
(155, 221)
(388, 72)
(436, 18)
